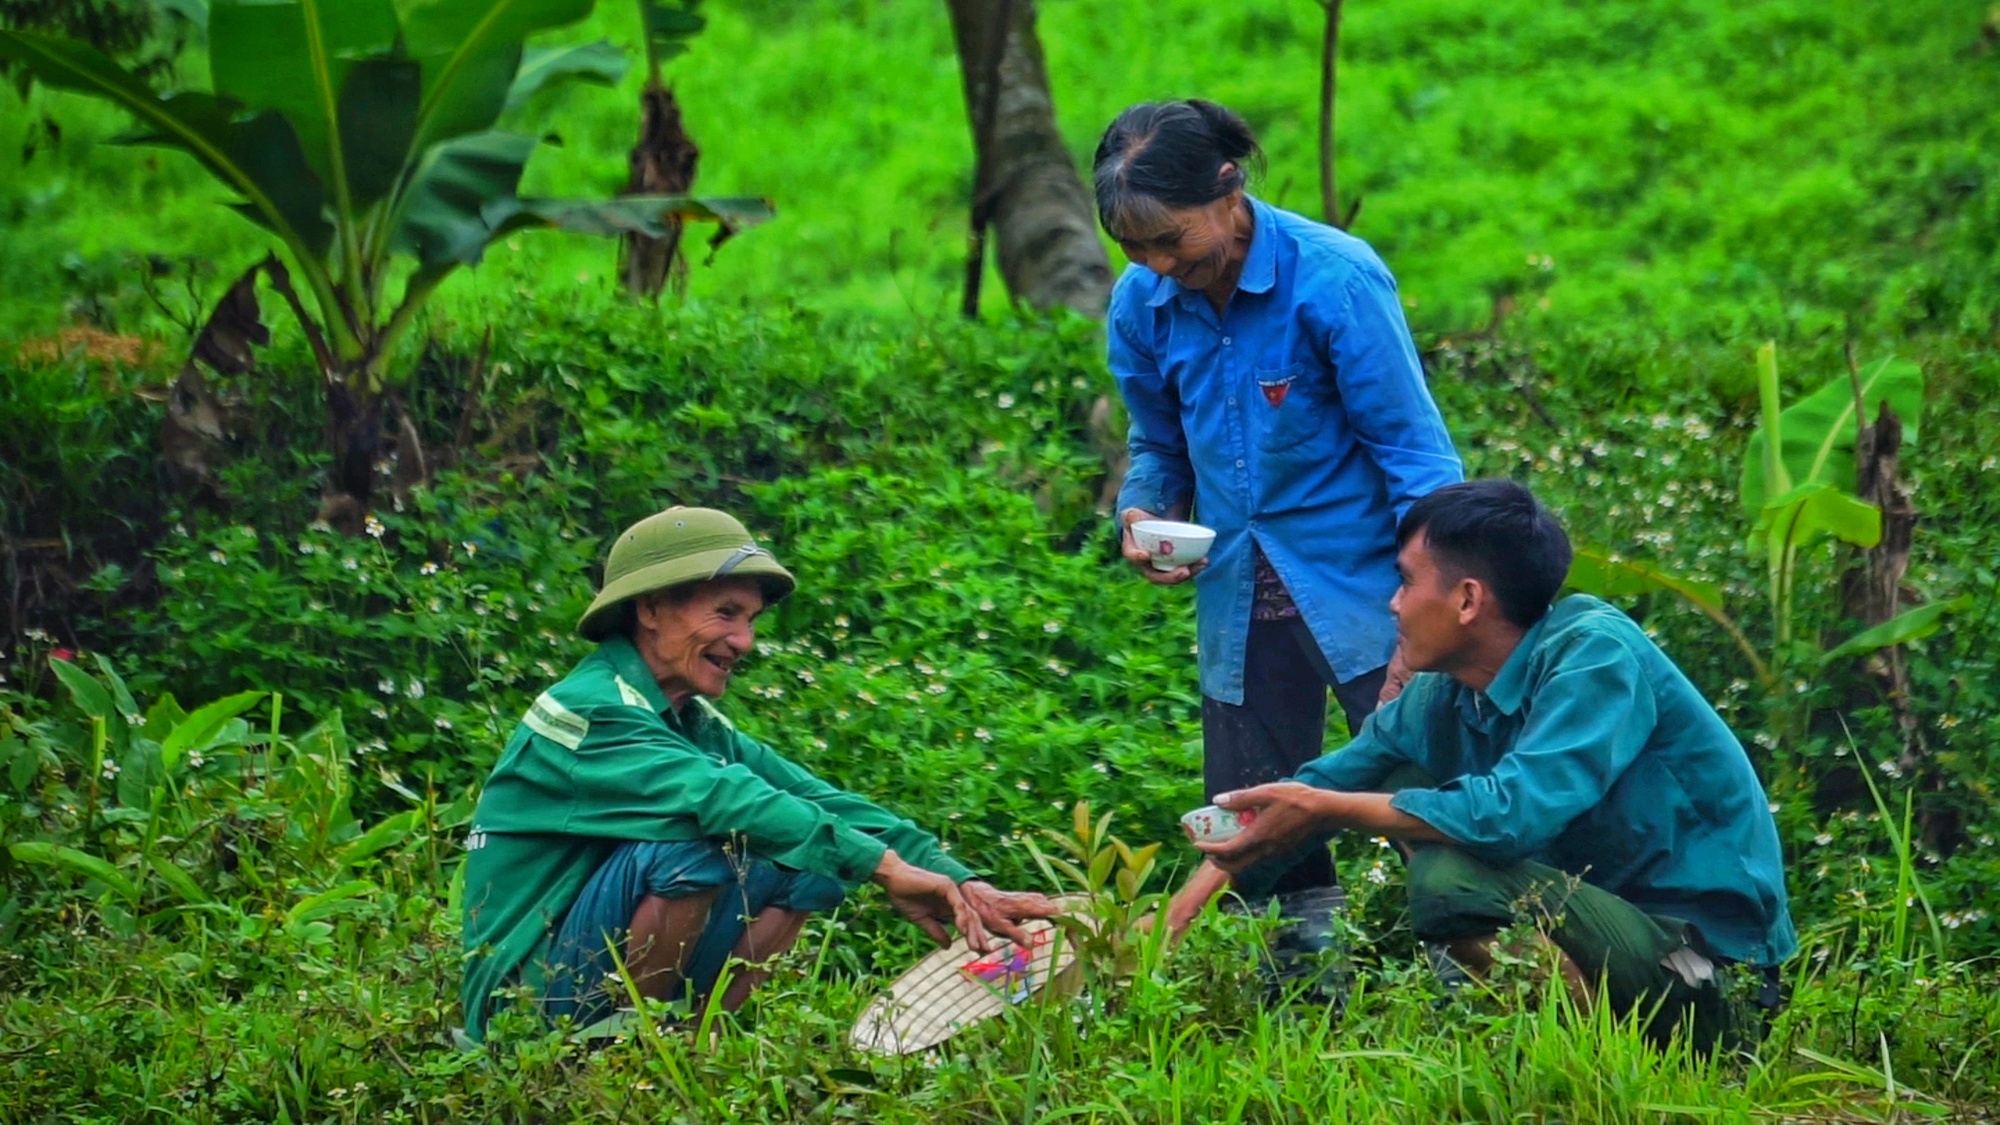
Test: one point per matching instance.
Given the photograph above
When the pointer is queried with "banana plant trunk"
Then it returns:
(1026, 184)
(354, 436)
(662, 163)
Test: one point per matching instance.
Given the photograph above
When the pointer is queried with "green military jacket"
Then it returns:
(602, 758)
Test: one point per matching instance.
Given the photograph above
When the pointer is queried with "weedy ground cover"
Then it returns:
(240, 906)
(964, 645)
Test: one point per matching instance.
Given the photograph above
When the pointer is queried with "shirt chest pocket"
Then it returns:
(1286, 410)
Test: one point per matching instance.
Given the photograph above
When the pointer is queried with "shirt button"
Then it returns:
(1239, 462)
(1232, 400)
(1225, 341)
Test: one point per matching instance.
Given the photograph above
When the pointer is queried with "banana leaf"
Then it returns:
(258, 154)
(1819, 430)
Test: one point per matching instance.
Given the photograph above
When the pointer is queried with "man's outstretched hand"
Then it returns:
(1003, 911)
(1288, 812)
(930, 900)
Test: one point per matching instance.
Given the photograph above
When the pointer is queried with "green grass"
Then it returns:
(1698, 176)
(1696, 172)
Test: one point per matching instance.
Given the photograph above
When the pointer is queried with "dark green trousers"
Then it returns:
(1455, 895)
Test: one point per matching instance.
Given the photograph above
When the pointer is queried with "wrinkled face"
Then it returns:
(1193, 245)
(1432, 608)
(692, 645)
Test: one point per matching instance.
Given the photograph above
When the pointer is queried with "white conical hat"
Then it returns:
(956, 987)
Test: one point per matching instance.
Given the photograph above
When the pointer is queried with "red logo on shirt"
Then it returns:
(1274, 393)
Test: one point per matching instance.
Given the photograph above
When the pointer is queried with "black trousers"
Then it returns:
(1281, 723)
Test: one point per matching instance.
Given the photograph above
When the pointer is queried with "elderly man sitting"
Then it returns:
(1549, 764)
(627, 810)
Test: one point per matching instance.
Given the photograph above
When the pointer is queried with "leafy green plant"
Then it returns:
(166, 814)
(363, 137)
(1113, 934)
(1793, 485)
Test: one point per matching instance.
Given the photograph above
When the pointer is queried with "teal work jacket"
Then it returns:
(1593, 753)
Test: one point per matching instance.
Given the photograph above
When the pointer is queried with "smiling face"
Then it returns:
(692, 640)
(1434, 610)
(1196, 246)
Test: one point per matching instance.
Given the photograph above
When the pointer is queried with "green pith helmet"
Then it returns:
(678, 546)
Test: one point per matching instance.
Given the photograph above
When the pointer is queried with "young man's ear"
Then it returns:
(1473, 597)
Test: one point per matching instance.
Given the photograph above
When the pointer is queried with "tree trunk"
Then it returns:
(1025, 185)
(1329, 86)
(662, 163)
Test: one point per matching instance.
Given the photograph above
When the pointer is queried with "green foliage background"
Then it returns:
(1595, 211)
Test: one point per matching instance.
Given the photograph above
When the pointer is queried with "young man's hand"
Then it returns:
(1397, 679)
(1287, 813)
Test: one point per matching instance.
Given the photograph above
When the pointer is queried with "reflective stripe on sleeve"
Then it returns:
(555, 722)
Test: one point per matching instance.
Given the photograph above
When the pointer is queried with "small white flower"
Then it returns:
(805, 677)
(1101, 767)
(349, 563)
(935, 689)
(218, 557)
(982, 734)
(111, 770)
(1823, 839)
(386, 686)
(471, 548)
(428, 569)
(819, 743)
(1051, 626)
(414, 689)
(373, 527)
(304, 997)
(986, 605)
(1023, 785)
(441, 723)
(195, 760)
(1005, 401)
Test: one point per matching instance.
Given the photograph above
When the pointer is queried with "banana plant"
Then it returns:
(366, 137)
(1793, 489)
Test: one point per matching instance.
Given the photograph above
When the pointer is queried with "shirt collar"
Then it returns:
(1509, 689)
(1260, 264)
(631, 668)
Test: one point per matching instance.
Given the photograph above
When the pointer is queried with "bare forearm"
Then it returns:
(1372, 813)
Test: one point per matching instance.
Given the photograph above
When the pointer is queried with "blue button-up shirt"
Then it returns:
(1592, 753)
(1297, 419)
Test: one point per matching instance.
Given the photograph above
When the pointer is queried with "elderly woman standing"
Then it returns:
(627, 810)
(1276, 396)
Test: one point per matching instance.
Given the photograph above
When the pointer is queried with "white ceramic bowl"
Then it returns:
(1173, 543)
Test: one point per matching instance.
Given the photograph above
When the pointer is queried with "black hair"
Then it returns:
(1158, 155)
(1495, 531)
